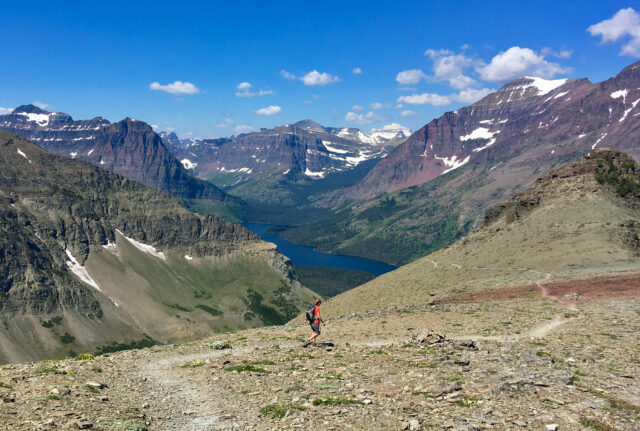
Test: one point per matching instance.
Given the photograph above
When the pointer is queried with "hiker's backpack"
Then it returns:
(309, 313)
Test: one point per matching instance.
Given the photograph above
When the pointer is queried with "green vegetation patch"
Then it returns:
(269, 315)
(127, 345)
(279, 410)
(221, 345)
(335, 401)
(51, 322)
(210, 310)
(91, 388)
(192, 364)
(596, 424)
(5, 385)
(47, 398)
(247, 367)
(67, 338)
(178, 307)
(332, 376)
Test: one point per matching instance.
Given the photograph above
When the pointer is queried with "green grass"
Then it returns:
(596, 425)
(51, 370)
(192, 364)
(466, 402)
(5, 385)
(248, 368)
(92, 389)
(378, 352)
(47, 398)
(279, 410)
(116, 346)
(220, 345)
(332, 376)
(335, 401)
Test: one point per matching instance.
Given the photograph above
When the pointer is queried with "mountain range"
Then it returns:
(436, 186)
(129, 147)
(90, 259)
(272, 157)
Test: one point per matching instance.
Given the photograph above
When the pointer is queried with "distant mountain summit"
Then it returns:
(128, 147)
(526, 122)
(301, 150)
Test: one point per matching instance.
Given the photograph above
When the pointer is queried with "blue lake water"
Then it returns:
(302, 255)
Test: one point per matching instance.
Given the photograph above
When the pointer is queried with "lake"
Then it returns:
(303, 255)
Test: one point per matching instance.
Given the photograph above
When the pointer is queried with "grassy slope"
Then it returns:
(163, 296)
(573, 234)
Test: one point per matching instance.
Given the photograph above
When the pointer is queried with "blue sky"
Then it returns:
(182, 65)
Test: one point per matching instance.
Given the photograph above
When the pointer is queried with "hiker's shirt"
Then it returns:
(316, 314)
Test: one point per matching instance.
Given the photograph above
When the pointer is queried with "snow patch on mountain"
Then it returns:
(40, 119)
(310, 173)
(544, 86)
(23, 155)
(80, 271)
(452, 162)
(188, 164)
(620, 93)
(146, 248)
(331, 149)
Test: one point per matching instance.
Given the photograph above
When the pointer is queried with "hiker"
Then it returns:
(314, 319)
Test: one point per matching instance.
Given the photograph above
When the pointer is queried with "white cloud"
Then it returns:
(407, 113)
(242, 128)
(287, 75)
(244, 90)
(411, 76)
(357, 108)
(269, 110)
(357, 71)
(5, 111)
(314, 78)
(392, 126)
(378, 105)
(177, 87)
(425, 99)
(517, 62)
(362, 119)
(549, 52)
(471, 95)
(448, 66)
(229, 123)
(43, 105)
(626, 22)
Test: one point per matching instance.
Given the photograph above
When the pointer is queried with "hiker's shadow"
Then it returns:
(324, 345)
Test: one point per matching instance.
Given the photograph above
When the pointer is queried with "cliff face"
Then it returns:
(79, 242)
(130, 148)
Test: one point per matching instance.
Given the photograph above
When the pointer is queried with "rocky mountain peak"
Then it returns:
(29, 109)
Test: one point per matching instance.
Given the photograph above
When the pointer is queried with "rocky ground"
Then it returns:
(566, 362)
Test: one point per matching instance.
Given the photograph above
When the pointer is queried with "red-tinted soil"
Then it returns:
(621, 286)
